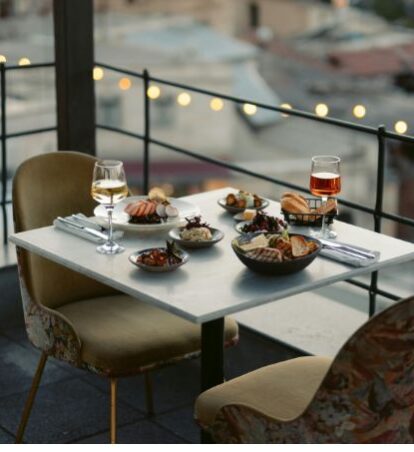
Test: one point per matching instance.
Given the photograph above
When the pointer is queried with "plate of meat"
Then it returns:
(152, 213)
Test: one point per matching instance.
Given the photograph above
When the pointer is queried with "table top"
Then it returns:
(214, 283)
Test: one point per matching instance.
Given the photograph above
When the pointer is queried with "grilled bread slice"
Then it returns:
(299, 246)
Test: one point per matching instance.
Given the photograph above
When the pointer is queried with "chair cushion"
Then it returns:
(281, 391)
(121, 335)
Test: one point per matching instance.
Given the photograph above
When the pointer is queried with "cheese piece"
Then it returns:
(249, 214)
(257, 242)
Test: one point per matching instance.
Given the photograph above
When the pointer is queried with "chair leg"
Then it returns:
(113, 409)
(32, 394)
(149, 398)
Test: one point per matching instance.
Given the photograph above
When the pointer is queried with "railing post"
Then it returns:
(74, 59)
(378, 210)
(3, 151)
(146, 78)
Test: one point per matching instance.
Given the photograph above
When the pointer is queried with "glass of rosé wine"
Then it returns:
(325, 181)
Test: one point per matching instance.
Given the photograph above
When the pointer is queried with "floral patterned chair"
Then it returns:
(76, 319)
(364, 395)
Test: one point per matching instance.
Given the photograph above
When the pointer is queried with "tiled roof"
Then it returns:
(375, 61)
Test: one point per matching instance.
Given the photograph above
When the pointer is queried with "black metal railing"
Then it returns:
(4, 136)
(380, 133)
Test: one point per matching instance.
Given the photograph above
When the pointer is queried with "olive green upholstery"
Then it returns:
(118, 333)
(281, 391)
(45, 187)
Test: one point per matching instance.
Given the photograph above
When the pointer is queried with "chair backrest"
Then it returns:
(45, 187)
(367, 395)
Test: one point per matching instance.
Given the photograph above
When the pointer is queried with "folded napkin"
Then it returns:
(81, 226)
(348, 254)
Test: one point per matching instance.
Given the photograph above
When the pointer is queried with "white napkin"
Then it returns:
(85, 221)
(345, 257)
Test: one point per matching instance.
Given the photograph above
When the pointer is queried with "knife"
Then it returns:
(83, 228)
(347, 249)
(80, 218)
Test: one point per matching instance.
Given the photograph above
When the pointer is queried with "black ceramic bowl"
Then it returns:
(274, 268)
(166, 268)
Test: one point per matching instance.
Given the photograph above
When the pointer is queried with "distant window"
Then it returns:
(254, 15)
(163, 111)
(109, 111)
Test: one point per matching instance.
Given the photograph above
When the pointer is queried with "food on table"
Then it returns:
(266, 255)
(249, 214)
(297, 204)
(196, 231)
(264, 222)
(154, 210)
(294, 203)
(277, 247)
(259, 241)
(160, 257)
(158, 195)
(299, 246)
(328, 207)
(243, 200)
(141, 208)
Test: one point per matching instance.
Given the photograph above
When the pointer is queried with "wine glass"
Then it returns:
(325, 181)
(108, 188)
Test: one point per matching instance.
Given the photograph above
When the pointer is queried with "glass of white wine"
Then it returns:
(108, 188)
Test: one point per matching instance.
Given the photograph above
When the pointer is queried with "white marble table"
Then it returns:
(214, 283)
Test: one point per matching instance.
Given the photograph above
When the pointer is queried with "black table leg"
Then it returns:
(212, 359)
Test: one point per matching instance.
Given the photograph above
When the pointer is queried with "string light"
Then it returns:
(322, 110)
(98, 73)
(124, 83)
(216, 104)
(401, 127)
(24, 61)
(184, 99)
(3, 59)
(359, 111)
(249, 109)
(287, 107)
(153, 92)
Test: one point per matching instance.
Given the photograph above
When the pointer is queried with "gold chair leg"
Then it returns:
(149, 398)
(113, 409)
(32, 394)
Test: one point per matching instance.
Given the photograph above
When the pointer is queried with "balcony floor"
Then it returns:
(72, 405)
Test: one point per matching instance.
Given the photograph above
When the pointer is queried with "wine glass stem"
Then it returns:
(323, 228)
(110, 209)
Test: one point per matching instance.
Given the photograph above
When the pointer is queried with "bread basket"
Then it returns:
(309, 219)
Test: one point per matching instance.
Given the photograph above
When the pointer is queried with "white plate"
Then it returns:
(120, 218)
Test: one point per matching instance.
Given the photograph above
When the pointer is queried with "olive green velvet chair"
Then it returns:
(364, 395)
(76, 319)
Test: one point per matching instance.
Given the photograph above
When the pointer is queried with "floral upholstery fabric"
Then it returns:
(367, 396)
(47, 329)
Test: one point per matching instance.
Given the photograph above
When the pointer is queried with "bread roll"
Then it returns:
(328, 207)
(157, 194)
(295, 204)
